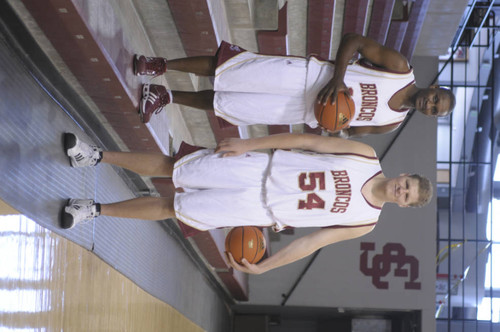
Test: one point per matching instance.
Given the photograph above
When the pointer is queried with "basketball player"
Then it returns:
(260, 89)
(331, 183)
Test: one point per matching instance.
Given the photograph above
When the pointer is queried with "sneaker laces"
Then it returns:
(96, 155)
(84, 210)
(164, 100)
(91, 151)
(89, 215)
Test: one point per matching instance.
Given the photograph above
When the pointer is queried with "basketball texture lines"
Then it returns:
(246, 242)
(336, 116)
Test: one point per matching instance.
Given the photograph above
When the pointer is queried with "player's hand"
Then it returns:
(230, 147)
(332, 89)
(245, 266)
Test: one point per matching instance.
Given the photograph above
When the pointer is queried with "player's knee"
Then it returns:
(168, 165)
(167, 207)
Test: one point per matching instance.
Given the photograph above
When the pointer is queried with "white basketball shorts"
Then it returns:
(221, 192)
(261, 89)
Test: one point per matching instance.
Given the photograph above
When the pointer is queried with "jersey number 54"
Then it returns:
(312, 181)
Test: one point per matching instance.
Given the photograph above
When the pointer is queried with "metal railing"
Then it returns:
(462, 220)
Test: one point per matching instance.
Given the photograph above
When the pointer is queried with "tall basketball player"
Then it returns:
(331, 183)
(253, 88)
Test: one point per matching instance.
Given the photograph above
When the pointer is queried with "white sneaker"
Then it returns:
(80, 153)
(77, 211)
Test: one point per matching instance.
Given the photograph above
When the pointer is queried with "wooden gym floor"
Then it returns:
(51, 284)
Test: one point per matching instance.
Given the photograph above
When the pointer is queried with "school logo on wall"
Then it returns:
(393, 259)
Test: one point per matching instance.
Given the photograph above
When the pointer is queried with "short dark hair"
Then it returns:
(425, 190)
(453, 101)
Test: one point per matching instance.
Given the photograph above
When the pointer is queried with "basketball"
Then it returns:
(246, 242)
(337, 116)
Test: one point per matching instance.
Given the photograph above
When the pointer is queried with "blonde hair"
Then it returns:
(425, 190)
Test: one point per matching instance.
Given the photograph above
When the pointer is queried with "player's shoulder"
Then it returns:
(403, 66)
(396, 62)
(363, 149)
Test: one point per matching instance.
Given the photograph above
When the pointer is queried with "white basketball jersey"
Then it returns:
(319, 190)
(371, 89)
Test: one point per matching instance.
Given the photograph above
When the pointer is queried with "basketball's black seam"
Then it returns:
(336, 113)
(257, 245)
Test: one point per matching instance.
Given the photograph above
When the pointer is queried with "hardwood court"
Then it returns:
(51, 284)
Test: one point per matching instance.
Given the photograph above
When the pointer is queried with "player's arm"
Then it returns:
(310, 142)
(371, 50)
(301, 248)
(365, 130)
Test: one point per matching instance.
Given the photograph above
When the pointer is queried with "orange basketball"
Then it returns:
(246, 242)
(337, 116)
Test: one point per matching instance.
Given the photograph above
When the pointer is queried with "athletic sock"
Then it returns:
(100, 158)
(170, 95)
(97, 209)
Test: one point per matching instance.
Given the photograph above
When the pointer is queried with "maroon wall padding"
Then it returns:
(99, 69)
(396, 34)
(355, 16)
(380, 19)
(319, 27)
(211, 243)
(194, 24)
(310, 130)
(234, 282)
(278, 129)
(219, 131)
(165, 186)
(416, 20)
(274, 42)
